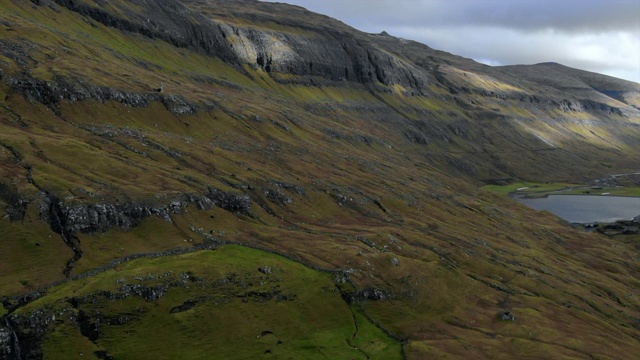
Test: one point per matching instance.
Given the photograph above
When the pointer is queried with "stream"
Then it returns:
(15, 343)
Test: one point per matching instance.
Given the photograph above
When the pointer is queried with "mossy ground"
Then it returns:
(33, 255)
(231, 321)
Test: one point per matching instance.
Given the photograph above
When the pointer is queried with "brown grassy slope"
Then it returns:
(370, 195)
(455, 246)
(503, 106)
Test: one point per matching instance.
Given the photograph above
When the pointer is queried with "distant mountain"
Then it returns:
(236, 179)
(579, 82)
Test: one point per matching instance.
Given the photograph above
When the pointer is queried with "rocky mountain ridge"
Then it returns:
(138, 135)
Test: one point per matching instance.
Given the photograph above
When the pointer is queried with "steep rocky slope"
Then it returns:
(598, 87)
(142, 141)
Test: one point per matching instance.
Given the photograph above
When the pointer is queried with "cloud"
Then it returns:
(566, 15)
(596, 35)
(529, 15)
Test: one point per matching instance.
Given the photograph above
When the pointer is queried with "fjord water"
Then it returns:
(587, 208)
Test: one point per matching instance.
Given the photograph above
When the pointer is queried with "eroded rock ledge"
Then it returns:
(52, 93)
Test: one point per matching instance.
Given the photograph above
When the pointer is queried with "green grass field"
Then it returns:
(236, 311)
(532, 189)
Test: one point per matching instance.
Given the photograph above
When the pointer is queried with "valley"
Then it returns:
(604, 200)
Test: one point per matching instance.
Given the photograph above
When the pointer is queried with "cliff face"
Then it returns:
(288, 40)
(135, 135)
(328, 55)
(331, 53)
(169, 21)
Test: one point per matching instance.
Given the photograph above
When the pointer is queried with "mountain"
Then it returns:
(580, 83)
(237, 179)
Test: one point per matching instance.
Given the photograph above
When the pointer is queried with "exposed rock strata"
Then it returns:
(51, 93)
(71, 217)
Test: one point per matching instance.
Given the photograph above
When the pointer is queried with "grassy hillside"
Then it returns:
(210, 304)
(272, 209)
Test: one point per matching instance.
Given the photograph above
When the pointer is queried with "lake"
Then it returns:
(587, 208)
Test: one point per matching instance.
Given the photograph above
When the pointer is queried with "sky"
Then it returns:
(596, 35)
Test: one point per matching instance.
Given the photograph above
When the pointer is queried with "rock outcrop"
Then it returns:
(71, 216)
(168, 20)
(51, 93)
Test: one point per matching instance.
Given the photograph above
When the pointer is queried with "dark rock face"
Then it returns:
(168, 20)
(90, 329)
(69, 218)
(366, 295)
(52, 93)
(263, 296)
(187, 305)
(416, 137)
(25, 334)
(278, 197)
(101, 354)
(6, 343)
(507, 316)
(51, 210)
(332, 55)
(234, 202)
(91, 324)
(148, 293)
(72, 217)
(90, 218)
(288, 186)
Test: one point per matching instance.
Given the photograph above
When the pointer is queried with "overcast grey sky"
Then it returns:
(595, 35)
